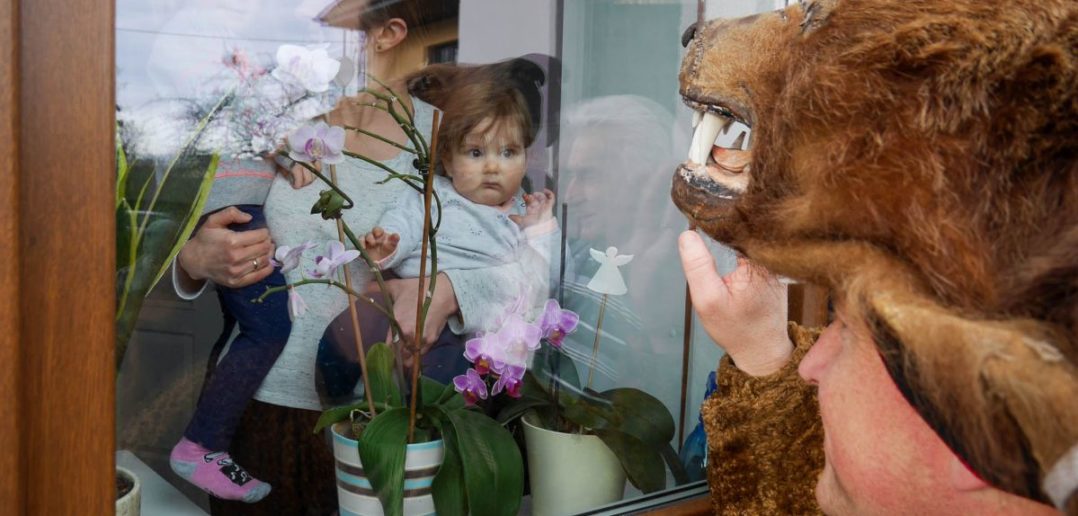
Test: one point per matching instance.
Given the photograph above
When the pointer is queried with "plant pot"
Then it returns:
(129, 504)
(354, 493)
(569, 473)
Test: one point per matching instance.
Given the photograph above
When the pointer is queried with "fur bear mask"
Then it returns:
(921, 159)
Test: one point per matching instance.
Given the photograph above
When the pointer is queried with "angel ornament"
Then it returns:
(607, 279)
(608, 282)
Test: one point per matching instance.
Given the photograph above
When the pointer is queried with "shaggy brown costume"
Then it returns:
(764, 438)
(919, 157)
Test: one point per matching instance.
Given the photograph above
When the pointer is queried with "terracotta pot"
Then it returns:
(570, 473)
(130, 503)
(354, 493)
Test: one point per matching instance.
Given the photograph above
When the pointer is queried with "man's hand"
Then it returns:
(744, 312)
(405, 293)
(228, 258)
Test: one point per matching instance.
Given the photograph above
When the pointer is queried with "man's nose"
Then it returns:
(816, 361)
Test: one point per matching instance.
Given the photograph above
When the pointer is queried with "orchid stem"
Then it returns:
(422, 303)
(354, 315)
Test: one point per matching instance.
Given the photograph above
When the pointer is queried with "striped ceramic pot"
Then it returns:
(354, 493)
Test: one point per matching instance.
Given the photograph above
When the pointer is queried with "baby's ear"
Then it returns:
(433, 83)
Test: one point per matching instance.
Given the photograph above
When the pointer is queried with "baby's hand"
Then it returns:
(538, 208)
(380, 244)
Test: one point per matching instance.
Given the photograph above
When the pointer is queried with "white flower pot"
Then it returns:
(130, 503)
(354, 493)
(570, 473)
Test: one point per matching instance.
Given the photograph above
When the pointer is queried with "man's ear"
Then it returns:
(389, 35)
(963, 478)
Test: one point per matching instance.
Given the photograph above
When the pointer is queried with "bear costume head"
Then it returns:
(920, 158)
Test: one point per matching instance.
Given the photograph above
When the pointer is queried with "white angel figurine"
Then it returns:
(607, 279)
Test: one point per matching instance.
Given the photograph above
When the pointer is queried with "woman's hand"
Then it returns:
(405, 293)
(744, 312)
(228, 258)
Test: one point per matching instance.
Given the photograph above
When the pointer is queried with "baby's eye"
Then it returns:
(509, 153)
(475, 153)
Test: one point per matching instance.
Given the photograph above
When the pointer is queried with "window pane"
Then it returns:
(212, 95)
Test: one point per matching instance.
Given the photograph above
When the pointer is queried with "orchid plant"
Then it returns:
(636, 426)
(482, 472)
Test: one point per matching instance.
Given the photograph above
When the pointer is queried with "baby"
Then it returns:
(487, 219)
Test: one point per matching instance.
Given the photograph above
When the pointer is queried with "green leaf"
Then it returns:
(381, 450)
(448, 487)
(676, 467)
(430, 391)
(190, 220)
(641, 415)
(337, 414)
(642, 463)
(550, 364)
(380, 371)
(490, 459)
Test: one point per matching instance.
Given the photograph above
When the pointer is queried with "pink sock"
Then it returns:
(215, 473)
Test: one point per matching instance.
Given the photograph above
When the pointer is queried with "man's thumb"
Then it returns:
(226, 217)
(698, 263)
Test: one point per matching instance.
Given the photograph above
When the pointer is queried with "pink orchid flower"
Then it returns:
(336, 255)
(556, 323)
(485, 352)
(471, 386)
(518, 339)
(510, 380)
(287, 258)
(317, 142)
(296, 305)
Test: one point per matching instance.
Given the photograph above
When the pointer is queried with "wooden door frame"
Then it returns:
(57, 225)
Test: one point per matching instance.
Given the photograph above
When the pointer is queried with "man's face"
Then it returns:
(882, 458)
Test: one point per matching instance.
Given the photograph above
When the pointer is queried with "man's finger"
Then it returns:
(226, 217)
(705, 284)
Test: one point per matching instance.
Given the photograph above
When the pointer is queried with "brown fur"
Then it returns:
(920, 157)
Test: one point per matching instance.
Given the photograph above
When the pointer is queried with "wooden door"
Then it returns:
(56, 257)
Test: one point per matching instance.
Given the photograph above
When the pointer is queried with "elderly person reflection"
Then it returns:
(616, 149)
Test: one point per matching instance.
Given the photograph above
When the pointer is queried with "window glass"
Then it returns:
(216, 101)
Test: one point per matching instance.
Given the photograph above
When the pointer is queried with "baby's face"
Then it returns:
(489, 166)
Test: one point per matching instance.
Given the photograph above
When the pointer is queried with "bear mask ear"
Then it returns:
(528, 78)
(431, 84)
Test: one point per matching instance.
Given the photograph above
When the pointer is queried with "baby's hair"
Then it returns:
(481, 96)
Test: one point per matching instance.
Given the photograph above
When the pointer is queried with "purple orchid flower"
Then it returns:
(485, 352)
(296, 305)
(556, 323)
(471, 386)
(510, 380)
(287, 258)
(318, 142)
(336, 255)
(518, 339)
